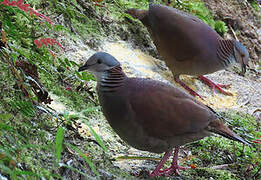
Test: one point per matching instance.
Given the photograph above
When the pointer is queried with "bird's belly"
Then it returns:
(122, 119)
(193, 68)
(135, 136)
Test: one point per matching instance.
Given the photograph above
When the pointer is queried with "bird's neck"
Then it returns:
(112, 79)
(225, 52)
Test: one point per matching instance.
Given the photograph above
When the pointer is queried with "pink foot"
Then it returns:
(174, 168)
(214, 86)
(193, 93)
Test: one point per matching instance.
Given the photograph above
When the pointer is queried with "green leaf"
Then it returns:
(29, 173)
(78, 74)
(59, 143)
(74, 63)
(58, 27)
(90, 109)
(97, 137)
(67, 62)
(5, 117)
(87, 76)
(86, 159)
(48, 25)
(25, 108)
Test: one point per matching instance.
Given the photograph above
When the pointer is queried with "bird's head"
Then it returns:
(241, 55)
(99, 63)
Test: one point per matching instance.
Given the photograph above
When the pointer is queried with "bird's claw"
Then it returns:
(173, 169)
(214, 86)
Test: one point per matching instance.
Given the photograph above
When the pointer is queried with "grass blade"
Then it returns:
(59, 143)
(97, 137)
(86, 159)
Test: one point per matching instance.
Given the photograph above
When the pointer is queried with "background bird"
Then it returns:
(188, 45)
(151, 115)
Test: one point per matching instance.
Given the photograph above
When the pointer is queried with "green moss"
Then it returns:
(255, 5)
(211, 151)
(208, 173)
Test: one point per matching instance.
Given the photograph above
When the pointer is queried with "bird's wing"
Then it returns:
(162, 108)
(177, 34)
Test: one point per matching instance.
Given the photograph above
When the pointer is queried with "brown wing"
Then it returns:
(178, 35)
(164, 111)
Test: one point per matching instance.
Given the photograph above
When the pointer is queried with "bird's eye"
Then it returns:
(99, 61)
(242, 55)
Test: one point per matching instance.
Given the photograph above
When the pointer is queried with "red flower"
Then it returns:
(193, 166)
(37, 43)
(68, 88)
(258, 141)
(46, 42)
(25, 7)
(5, 2)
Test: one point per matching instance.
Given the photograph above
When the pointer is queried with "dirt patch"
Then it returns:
(243, 20)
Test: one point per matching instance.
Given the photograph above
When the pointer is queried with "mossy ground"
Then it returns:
(28, 139)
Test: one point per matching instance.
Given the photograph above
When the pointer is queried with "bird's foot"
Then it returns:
(214, 86)
(192, 92)
(173, 169)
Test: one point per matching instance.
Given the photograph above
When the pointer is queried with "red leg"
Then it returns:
(156, 171)
(214, 86)
(175, 165)
(193, 93)
(173, 168)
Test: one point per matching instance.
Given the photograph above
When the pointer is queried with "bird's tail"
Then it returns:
(218, 127)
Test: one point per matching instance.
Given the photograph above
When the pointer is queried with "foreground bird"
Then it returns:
(188, 45)
(151, 115)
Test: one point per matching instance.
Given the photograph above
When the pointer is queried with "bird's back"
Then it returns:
(187, 44)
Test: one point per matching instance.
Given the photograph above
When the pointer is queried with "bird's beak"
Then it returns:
(244, 65)
(243, 68)
(84, 67)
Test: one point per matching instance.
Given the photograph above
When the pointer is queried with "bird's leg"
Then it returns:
(157, 171)
(214, 86)
(174, 165)
(193, 93)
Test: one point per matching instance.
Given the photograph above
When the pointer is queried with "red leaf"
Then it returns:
(24, 7)
(37, 43)
(59, 45)
(5, 2)
(193, 166)
(44, 42)
(13, 3)
(258, 141)
(68, 88)
(52, 53)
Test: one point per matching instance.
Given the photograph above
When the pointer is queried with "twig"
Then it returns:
(223, 166)
(235, 36)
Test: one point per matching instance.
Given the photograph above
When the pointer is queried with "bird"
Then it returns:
(151, 115)
(189, 46)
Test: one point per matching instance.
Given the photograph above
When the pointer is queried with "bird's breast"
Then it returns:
(122, 119)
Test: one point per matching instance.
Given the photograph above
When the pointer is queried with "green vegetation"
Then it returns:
(37, 141)
(254, 4)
